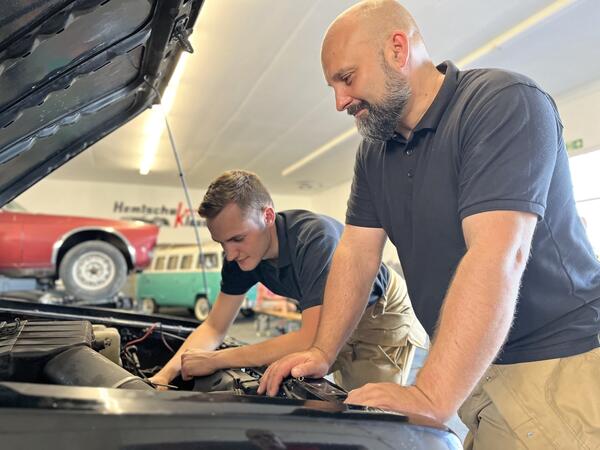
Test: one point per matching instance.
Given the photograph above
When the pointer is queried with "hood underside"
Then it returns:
(71, 72)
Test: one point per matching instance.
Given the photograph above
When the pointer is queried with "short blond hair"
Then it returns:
(235, 186)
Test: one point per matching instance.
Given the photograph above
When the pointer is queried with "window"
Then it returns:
(210, 261)
(172, 264)
(186, 262)
(584, 171)
(159, 263)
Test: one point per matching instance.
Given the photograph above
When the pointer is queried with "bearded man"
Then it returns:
(467, 173)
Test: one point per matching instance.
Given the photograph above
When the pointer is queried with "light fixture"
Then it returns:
(512, 32)
(155, 123)
(492, 44)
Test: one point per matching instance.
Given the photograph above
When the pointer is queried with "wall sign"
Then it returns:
(163, 215)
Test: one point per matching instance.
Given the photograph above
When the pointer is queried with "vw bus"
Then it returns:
(176, 278)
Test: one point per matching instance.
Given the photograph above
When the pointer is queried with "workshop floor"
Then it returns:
(245, 330)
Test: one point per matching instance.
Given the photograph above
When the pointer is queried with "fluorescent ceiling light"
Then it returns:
(155, 124)
(476, 54)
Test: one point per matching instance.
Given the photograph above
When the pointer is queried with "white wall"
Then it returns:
(332, 201)
(110, 200)
(580, 113)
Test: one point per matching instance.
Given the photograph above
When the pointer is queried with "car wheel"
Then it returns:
(93, 270)
(148, 306)
(201, 308)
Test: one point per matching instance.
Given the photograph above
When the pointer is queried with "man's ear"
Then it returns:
(269, 215)
(398, 49)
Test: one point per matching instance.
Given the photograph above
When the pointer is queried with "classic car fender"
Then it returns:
(67, 240)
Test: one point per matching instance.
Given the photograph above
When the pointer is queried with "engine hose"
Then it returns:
(82, 366)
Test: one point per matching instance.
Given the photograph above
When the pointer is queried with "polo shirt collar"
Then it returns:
(434, 114)
(284, 258)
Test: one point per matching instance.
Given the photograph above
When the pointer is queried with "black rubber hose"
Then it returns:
(82, 366)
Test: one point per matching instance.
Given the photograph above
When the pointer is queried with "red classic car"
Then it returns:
(91, 256)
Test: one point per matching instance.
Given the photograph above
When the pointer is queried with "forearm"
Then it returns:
(477, 314)
(202, 338)
(263, 353)
(346, 295)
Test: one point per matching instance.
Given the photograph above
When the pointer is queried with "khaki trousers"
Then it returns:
(382, 347)
(552, 404)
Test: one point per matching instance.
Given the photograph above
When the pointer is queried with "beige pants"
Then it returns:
(552, 404)
(383, 345)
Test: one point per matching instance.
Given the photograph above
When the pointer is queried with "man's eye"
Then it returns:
(347, 80)
(238, 239)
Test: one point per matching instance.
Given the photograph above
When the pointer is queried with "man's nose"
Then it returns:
(230, 255)
(342, 100)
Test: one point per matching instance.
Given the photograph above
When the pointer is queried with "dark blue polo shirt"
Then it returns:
(491, 140)
(306, 245)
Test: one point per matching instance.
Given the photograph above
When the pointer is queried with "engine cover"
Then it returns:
(26, 346)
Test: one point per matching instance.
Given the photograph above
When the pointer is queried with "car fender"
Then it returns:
(58, 245)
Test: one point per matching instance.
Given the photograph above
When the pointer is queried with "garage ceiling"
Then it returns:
(253, 96)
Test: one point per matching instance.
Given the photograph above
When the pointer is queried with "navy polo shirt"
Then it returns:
(491, 140)
(307, 242)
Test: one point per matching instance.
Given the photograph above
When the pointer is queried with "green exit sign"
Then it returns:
(575, 144)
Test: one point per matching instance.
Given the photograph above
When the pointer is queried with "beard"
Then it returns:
(381, 119)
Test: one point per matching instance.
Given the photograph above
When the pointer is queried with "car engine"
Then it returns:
(78, 353)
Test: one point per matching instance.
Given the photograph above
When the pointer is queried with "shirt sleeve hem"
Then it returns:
(303, 306)
(234, 291)
(354, 221)
(503, 205)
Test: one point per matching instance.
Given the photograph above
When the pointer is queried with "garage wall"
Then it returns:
(164, 205)
(333, 201)
(580, 113)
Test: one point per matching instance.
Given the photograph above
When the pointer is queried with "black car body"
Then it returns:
(72, 71)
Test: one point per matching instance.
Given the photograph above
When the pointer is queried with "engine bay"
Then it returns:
(92, 366)
(122, 356)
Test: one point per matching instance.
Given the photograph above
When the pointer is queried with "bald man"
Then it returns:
(466, 172)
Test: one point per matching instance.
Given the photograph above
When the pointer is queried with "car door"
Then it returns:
(11, 241)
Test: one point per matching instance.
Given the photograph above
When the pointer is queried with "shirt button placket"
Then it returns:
(408, 152)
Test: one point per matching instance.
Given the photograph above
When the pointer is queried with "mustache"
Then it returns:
(353, 109)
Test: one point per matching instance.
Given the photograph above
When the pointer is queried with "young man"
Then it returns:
(467, 173)
(290, 253)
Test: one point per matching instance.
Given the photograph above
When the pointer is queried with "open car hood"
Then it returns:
(72, 71)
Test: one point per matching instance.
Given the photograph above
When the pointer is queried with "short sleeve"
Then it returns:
(234, 281)
(318, 254)
(361, 210)
(509, 152)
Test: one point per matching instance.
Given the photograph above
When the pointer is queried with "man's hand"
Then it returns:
(394, 397)
(311, 363)
(160, 382)
(198, 363)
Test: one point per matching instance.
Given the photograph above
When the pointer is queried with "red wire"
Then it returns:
(144, 337)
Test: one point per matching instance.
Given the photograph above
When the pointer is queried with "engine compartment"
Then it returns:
(122, 356)
(92, 365)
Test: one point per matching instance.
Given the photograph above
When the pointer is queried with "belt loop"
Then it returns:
(379, 307)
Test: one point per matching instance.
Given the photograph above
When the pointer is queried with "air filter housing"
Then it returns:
(26, 346)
